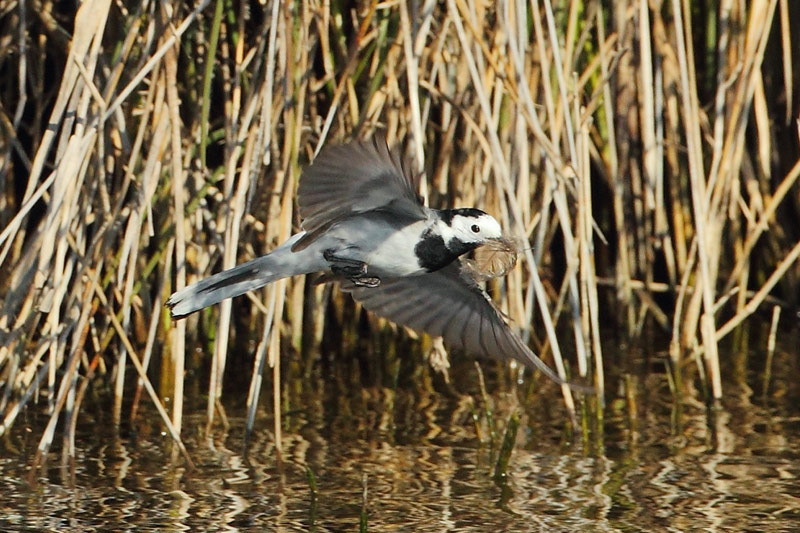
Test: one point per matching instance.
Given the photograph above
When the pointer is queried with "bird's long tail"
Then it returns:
(280, 263)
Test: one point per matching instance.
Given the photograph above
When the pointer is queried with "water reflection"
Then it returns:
(421, 450)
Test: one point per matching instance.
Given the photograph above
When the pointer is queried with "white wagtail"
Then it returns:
(365, 226)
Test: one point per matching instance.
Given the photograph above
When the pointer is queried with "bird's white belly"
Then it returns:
(388, 251)
(395, 255)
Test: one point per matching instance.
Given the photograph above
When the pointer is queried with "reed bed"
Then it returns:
(644, 153)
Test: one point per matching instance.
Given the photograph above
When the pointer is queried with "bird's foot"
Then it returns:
(366, 281)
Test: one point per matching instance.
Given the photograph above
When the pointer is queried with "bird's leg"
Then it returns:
(346, 268)
(355, 271)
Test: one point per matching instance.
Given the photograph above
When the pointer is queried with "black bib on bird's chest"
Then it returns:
(433, 254)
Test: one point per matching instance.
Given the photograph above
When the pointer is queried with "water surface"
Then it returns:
(417, 454)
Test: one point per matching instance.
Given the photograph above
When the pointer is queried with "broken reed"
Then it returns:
(647, 147)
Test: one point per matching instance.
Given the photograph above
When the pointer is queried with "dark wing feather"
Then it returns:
(355, 178)
(449, 304)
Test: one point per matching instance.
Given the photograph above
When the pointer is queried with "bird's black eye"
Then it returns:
(475, 228)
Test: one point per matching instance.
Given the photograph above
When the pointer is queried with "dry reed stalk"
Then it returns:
(248, 158)
(256, 377)
(177, 180)
(698, 186)
(295, 139)
(786, 44)
(152, 330)
(773, 330)
(274, 351)
(88, 309)
(651, 164)
(232, 225)
(412, 72)
(590, 319)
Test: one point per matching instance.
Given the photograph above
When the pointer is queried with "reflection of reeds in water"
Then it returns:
(643, 148)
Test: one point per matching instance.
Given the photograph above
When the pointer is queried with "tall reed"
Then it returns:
(645, 153)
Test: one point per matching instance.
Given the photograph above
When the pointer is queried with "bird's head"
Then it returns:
(466, 229)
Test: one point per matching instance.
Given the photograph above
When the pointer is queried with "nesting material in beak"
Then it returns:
(493, 259)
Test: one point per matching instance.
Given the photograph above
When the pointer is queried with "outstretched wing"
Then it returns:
(355, 178)
(448, 303)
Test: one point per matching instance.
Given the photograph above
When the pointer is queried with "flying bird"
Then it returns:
(364, 225)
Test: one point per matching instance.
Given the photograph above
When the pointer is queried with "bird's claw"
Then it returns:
(366, 281)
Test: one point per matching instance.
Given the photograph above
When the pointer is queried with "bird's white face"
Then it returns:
(475, 228)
